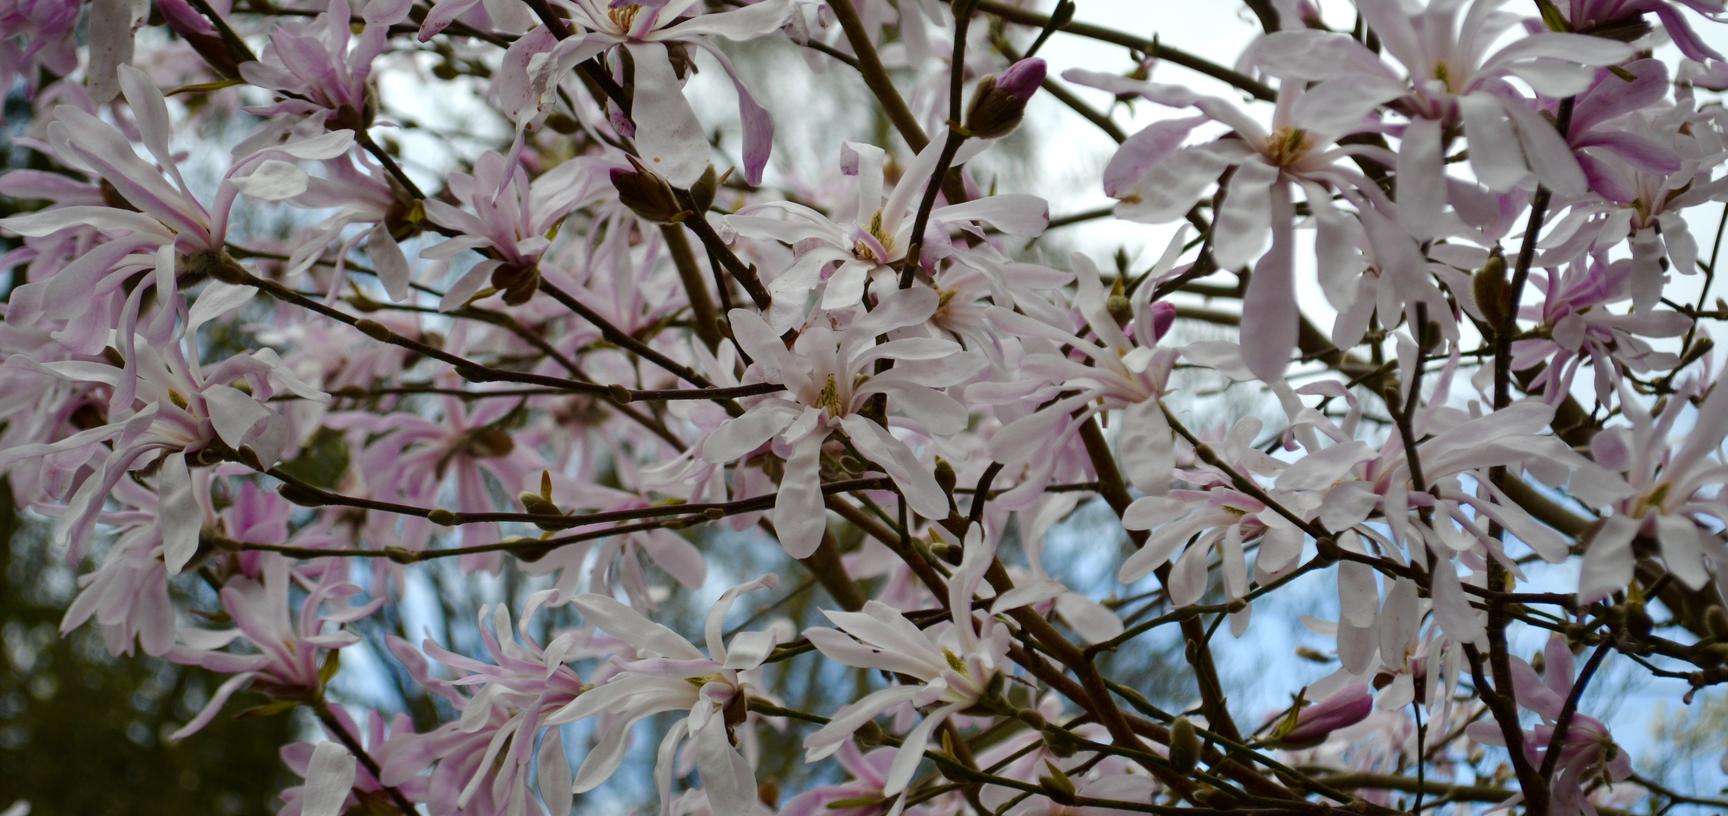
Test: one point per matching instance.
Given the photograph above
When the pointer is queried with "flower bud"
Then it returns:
(647, 194)
(1310, 726)
(999, 102)
(516, 281)
(538, 505)
(1163, 317)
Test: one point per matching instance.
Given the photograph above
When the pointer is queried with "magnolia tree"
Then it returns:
(607, 361)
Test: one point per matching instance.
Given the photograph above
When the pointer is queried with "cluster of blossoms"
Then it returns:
(596, 341)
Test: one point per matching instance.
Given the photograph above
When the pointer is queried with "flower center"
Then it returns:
(1443, 73)
(829, 398)
(1287, 146)
(942, 299)
(624, 16)
(874, 246)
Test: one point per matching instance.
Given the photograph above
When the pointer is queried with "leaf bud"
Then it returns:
(869, 735)
(1716, 621)
(946, 478)
(1184, 745)
(303, 496)
(1492, 291)
(1057, 785)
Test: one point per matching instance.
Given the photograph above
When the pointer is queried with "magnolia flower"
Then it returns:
(128, 595)
(1649, 162)
(484, 758)
(1123, 372)
(291, 650)
(829, 378)
(1587, 751)
(1625, 17)
(410, 459)
(1583, 331)
(1670, 492)
(310, 65)
(669, 674)
(1157, 180)
(153, 213)
(870, 231)
(666, 132)
(511, 219)
(860, 795)
(1454, 75)
(1310, 725)
(956, 665)
(165, 404)
(334, 782)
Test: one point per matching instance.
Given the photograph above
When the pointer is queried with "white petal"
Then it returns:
(671, 141)
(274, 180)
(630, 626)
(178, 512)
(389, 262)
(555, 781)
(1148, 448)
(726, 774)
(329, 778)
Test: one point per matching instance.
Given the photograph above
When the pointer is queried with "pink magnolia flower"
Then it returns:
(321, 69)
(171, 407)
(1584, 332)
(670, 139)
(1655, 160)
(40, 40)
(412, 458)
(1454, 74)
(128, 595)
(829, 376)
(1123, 371)
(670, 674)
(1311, 725)
(484, 758)
(1587, 751)
(869, 231)
(860, 795)
(955, 665)
(335, 783)
(1156, 180)
(509, 217)
(290, 650)
(1607, 15)
(1668, 491)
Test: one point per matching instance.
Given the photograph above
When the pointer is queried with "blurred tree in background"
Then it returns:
(83, 733)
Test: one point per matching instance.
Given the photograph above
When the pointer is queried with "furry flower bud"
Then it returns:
(1000, 101)
(647, 194)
